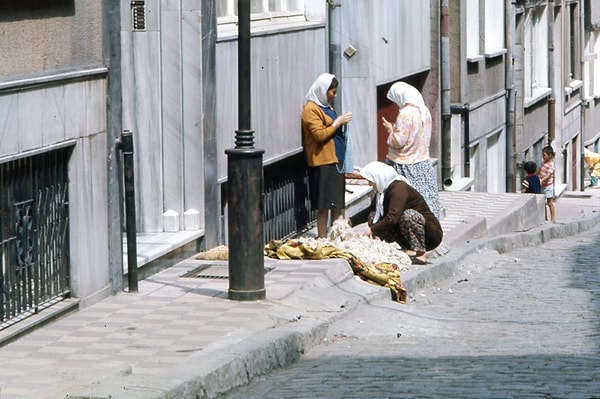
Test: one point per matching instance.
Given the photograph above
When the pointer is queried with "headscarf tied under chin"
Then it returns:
(402, 93)
(318, 91)
(382, 175)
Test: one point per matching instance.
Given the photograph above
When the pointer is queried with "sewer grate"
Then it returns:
(215, 271)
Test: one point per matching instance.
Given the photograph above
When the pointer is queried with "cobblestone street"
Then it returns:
(524, 324)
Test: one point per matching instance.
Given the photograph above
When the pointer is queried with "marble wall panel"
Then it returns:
(88, 215)
(360, 96)
(74, 108)
(172, 107)
(227, 101)
(358, 34)
(53, 115)
(142, 115)
(9, 125)
(95, 106)
(193, 151)
(401, 45)
(29, 115)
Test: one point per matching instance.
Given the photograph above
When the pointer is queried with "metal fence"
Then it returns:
(34, 233)
(286, 204)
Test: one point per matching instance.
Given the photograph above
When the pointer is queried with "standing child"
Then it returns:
(546, 174)
(592, 161)
(531, 183)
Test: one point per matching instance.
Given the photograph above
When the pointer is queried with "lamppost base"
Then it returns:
(255, 295)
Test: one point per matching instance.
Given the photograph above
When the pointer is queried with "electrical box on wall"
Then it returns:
(138, 15)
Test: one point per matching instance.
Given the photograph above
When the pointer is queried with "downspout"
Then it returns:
(552, 98)
(511, 151)
(583, 102)
(335, 45)
(445, 84)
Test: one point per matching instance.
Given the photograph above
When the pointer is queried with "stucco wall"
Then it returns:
(50, 37)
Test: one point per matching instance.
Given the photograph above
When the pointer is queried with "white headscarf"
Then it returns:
(382, 175)
(402, 93)
(318, 91)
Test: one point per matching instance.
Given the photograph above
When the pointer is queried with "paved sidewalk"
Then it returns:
(180, 337)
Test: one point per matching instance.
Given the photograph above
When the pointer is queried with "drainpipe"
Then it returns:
(511, 151)
(552, 98)
(335, 46)
(583, 102)
(445, 83)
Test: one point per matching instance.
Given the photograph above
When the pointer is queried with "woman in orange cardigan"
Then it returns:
(324, 141)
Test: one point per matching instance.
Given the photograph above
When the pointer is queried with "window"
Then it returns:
(473, 29)
(227, 10)
(573, 64)
(494, 27)
(535, 52)
(594, 65)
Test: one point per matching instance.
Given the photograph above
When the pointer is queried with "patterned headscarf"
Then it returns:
(382, 175)
(402, 93)
(318, 91)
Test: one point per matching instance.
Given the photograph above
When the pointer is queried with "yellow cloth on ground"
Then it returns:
(384, 274)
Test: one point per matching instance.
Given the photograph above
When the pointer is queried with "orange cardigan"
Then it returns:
(318, 132)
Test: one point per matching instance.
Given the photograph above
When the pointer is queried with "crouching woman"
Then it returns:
(399, 213)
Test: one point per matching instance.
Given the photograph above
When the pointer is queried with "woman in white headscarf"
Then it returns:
(399, 213)
(408, 142)
(325, 143)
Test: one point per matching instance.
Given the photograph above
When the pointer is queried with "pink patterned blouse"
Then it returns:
(409, 141)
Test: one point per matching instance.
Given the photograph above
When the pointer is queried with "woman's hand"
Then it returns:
(342, 119)
(387, 125)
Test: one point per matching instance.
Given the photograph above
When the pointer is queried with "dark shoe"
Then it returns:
(416, 261)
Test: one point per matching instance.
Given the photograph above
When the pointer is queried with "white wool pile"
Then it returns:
(369, 250)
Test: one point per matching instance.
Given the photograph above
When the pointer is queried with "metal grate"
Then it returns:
(34, 233)
(213, 271)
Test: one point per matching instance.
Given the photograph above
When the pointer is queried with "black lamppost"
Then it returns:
(244, 185)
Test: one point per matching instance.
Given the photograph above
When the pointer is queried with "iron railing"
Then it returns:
(285, 199)
(34, 233)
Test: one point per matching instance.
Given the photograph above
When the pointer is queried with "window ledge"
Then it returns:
(493, 53)
(537, 95)
(229, 32)
(573, 86)
(475, 58)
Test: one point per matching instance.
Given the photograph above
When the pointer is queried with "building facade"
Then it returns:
(502, 78)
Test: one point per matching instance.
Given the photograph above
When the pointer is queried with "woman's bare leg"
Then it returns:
(322, 219)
